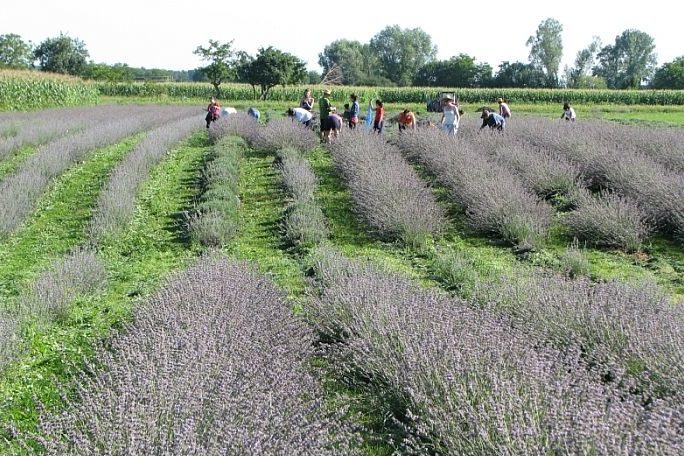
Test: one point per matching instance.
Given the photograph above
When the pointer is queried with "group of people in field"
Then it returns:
(331, 121)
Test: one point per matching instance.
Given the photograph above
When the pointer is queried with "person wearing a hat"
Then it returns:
(504, 110)
(451, 116)
(492, 120)
(325, 109)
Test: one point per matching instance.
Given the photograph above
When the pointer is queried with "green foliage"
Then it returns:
(293, 93)
(222, 62)
(14, 52)
(401, 52)
(458, 71)
(23, 90)
(670, 75)
(119, 72)
(546, 49)
(271, 67)
(519, 75)
(356, 60)
(62, 54)
(630, 60)
(576, 77)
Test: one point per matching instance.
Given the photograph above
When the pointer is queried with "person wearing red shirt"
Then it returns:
(379, 120)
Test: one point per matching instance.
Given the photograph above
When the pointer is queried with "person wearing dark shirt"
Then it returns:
(493, 121)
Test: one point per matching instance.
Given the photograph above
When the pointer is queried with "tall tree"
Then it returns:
(670, 75)
(271, 67)
(584, 61)
(62, 54)
(355, 59)
(627, 62)
(401, 52)
(111, 73)
(458, 71)
(222, 62)
(14, 52)
(546, 49)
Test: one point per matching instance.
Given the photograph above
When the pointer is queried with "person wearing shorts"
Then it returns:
(354, 110)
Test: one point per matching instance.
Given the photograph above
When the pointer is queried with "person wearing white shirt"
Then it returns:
(301, 115)
(568, 113)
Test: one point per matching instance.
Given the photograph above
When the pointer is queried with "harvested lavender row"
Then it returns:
(20, 191)
(386, 192)
(280, 133)
(305, 225)
(39, 127)
(48, 297)
(495, 201)
(463, 381)
(116, 203)
(239, 124)
(216, 221)
(213, 364)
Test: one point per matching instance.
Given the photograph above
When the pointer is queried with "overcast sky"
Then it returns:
(163, 34)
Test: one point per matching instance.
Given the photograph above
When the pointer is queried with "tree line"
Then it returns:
(393, 57)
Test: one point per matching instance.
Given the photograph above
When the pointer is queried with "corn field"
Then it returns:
(25, 90)
(396, 94)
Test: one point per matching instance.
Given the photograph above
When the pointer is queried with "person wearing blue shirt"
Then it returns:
(354, 111)
(254, 113)
(493, 121)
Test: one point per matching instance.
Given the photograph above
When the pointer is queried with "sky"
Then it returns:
(163, 34)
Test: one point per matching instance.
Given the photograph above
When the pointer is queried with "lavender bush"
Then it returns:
(282, 133)
(609, 220)
(20, 191)
(386, 192)
(239, 124)
(116, 203)
(213, 364)
(79, 273)
(495, 201)
(9, 338)
(463, 381)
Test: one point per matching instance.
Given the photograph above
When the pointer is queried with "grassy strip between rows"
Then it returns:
(14, 161)
(137, 260)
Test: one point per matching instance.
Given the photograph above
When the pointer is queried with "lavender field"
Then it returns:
(168, 289)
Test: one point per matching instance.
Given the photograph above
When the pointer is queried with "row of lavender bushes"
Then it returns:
(385, 190)
(20, 191)
(116, 203)
(495, 201)
(304, 225)
(216, 219)
(48, 297)
(633, 163)
(19, 129)
(214, 363)
(463, 380)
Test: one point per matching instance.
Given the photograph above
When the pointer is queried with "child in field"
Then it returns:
(504, 110)
(346, 115)
(406, 119)
(354, 110)
(379, 120)
(213, 111)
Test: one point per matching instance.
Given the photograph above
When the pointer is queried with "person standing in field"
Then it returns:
(568, 113)
(307, 101)
(354, 110)
(451, 117)
(379, 120)
(493, 120)
(325, 109)
(504, 109)
(406, 119)
(213, 111)
(301, 115)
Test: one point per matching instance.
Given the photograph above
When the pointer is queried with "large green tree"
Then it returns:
(627, 62)
(15, 52)
(577, 76)
(62, 54)
(222, 62)
(402, 52)
(458, 71)
(356, 60)
(111, 73)
(519, 75)
(271, 67)
(670, 75)
(546, 49)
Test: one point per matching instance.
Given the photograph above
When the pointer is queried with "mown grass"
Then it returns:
(137, 260)
(10, 164)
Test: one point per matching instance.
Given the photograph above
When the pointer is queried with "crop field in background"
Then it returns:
(245, 289)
